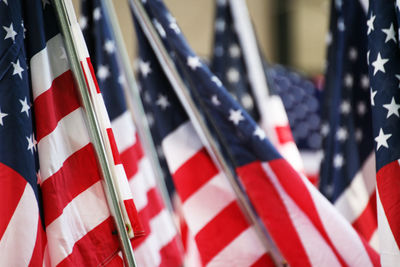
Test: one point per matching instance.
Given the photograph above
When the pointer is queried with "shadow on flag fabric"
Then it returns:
(79, 228)
(384, 61)
(348, 167)
(230, 65)
(161, 245)
(210, 209)
(307, 229)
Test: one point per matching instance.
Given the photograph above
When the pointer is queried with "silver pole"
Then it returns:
(66, 21)
(202, 130)
(134, 102)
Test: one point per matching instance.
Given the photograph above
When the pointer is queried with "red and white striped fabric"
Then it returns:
(307, 229)
(210, 208)
(78, 222)
(358, 202)
(161, 245)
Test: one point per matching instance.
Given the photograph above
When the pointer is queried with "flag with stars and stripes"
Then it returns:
(298, 95)
(79, 228)
(230, 65)
(384, 61)
(222, 235)
(22, 237)
(307, 229)
(348, 167)
(160, 246)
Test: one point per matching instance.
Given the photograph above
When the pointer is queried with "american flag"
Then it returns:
(384, 61)
(221, 232)
(161, 245)
(348, 167)
(229, 65)
(79, 228)
(297, 93)
(307, 229)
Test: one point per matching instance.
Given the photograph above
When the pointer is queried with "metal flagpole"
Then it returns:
(134, 101)
(202, 130)
(67, 20)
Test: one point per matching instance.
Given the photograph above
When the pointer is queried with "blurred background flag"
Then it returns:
(220, 230)
(348, 167)
(384, 62)
(288, 205)
(161, 245)
(22, 237)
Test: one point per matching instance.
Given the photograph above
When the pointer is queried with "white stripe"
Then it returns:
(374, 240)
(318, 251)
(69, 136)
(47, 65)
(202, 206)
(290, 152)
(343, 236)
(277, 114)
(18, 241)
(244, 250)
(162, 232)
(388, 249)
(180, 145)
(353, 201)
(79, 217)
(124, 131)
(122, 182)
(141, 183)
(311, 161)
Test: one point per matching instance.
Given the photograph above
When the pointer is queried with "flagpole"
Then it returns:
(199, 124)
(66, 18)
(134, 101)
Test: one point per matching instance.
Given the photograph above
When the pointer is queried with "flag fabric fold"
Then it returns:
(348, 168)
(161, 245)
(288, 205)
(384, 59)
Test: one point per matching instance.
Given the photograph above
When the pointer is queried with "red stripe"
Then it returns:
(93, 75)
(388, 184)
(38, 252)
(366, 224)
(130, 158)
(12, 187)
(221, 231)
(117, 261)
(273, 213)
(171, 254)
(298, 191)
(193, 174)
(133, 218)
(96, 248)
(373, 255)
(55, 103)
(113, 145)
(77, 174)
(154, 207)
(264, 260)
(284, 134)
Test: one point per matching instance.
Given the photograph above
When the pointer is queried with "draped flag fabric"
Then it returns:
(304, 225)
(222, 234)
(384, 61)
(160, 246)
(79, 228)
(229, 65)
(348, 168)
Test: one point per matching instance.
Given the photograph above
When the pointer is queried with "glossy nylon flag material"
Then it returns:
(348, 168)
(307, 229)
(160, 246)
(384, 61)
(79, 227)
(230, 65)
(22, 237)
(221, 232)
